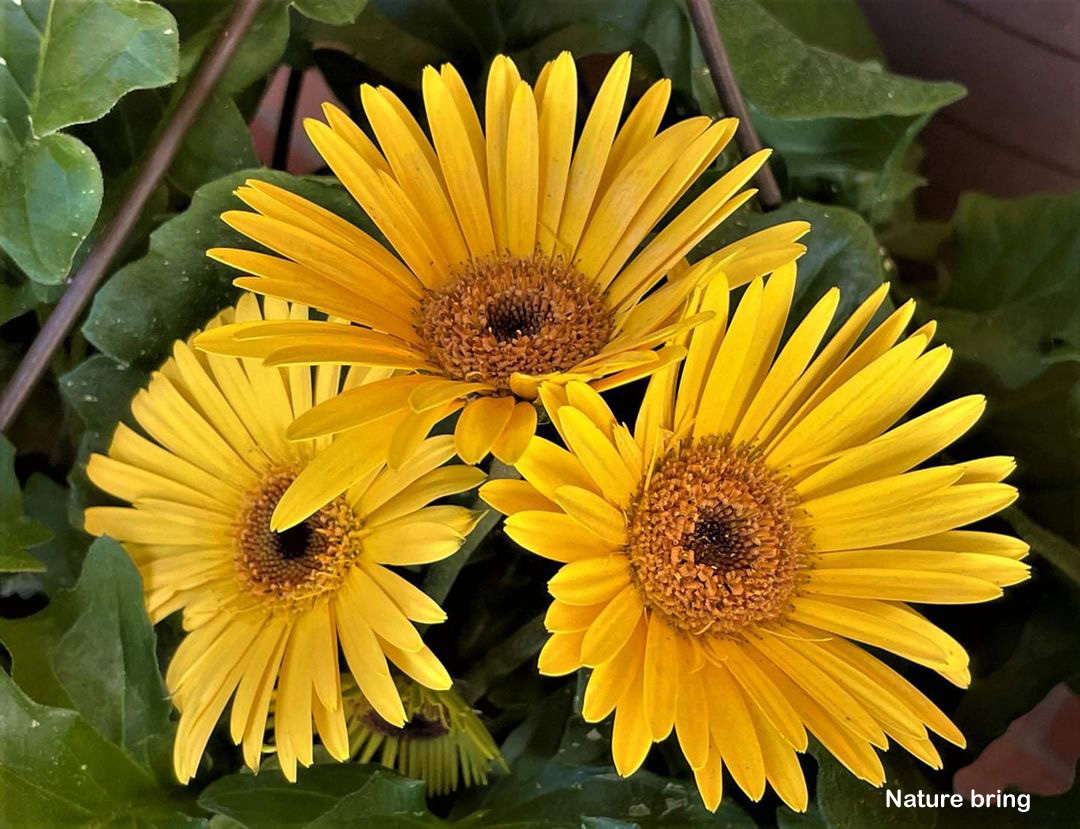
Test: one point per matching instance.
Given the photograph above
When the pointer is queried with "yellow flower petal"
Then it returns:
(612, 627)
(555, 535)
(480, 425)
(590, 580)
(594, 512)
(561, 654)
(517, 434)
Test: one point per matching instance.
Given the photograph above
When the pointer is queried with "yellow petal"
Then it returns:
(692, 719)
(953, 507)
(600, 459)
(561, 654)
(522, 172)
(612, 627)
(459, 164)
(558, 113)
(331, 472)
(782, 768)
(591, 155)
(898, 450)
(594, 512)
(516, 436)
(630, 738)
(710, 779)
(758, 687)
(733, 733)
(509, 496)
(590, 580)
(480, 424)
(415, 542)
(365, 658)
(662, 678)
(355, 407)
(382, 615)
(547, 467)
(568, 618)
(610, 681)
(421, 665)
(901, 585)
(555, 535)
(856, 620)
(413, 602)
(438, 483)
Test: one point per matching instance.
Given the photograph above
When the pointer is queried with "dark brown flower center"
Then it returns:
(532, 315)
(429, 722)
(299, 562)
(712, 539)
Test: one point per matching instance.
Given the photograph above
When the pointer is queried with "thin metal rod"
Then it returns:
(81, 287)
(731, 99)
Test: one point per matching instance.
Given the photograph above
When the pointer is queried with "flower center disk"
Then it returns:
(301, 562)
(504, 315)
(712, 539)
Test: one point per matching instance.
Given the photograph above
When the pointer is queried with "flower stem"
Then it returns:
(731, 99)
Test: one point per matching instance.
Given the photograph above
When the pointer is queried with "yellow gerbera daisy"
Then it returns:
(262, 608)
(522, 259)
(442, 741)
(721, 561)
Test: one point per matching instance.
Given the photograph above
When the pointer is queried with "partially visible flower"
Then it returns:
(521, 258)
(724, 561)
(267, 613)
(442, 741)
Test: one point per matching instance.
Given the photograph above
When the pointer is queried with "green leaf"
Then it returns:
(1011, 294)
(93, 649)
(200, 23)
(66, 62)
(47, 502)
(175, 288)
(100, 390)
(1008, 303)
(366, 41)
(1049, 545)
(50, 195)
(17, 531)
(323, 796)
(787, 78)
(333, 12)
(218, 143)
(834, 25)
(560, 796)
(842, 126)
(15, 538)
(56, 770)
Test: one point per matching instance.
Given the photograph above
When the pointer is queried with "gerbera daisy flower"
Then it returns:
(725, 561)
(442, 741)
(261, 609)
(520, 258)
